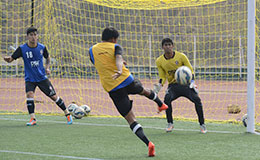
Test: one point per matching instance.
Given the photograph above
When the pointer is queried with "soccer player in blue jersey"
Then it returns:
(32, 53)
(167, 65)
(117, 80)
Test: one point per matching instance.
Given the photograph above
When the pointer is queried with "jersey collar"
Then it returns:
(170, 57)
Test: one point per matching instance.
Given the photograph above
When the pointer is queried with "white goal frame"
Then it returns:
(251, 17)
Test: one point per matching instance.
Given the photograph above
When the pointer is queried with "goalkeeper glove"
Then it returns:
(157, 87)
(194, 86)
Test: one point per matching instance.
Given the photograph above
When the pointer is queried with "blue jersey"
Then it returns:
(33, 61)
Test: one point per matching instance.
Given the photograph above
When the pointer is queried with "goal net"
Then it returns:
(212, 33)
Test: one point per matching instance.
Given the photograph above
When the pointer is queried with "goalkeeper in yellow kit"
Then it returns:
(167, 64)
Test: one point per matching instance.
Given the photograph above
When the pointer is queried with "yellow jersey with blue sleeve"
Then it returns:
(168, 67)
(102, 55)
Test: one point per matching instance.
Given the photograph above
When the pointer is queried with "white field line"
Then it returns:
(47, 155)
(116, 125)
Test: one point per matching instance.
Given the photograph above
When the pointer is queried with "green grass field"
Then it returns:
(111, 139)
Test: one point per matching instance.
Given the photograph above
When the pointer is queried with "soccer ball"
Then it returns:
(183, 75)
(244, 120)
(78, 113)
(86, 108)
(71, 107)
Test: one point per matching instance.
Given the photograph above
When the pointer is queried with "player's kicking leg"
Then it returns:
(61, 104)
(153, 96)
(47, 88)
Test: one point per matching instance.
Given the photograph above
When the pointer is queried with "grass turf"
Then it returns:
(111, 138)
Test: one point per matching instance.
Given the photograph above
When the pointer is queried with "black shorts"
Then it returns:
(45, 86)
(121, 99)
(175, 91)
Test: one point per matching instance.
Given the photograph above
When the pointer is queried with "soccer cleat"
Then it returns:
(69, 119)
(163, 107)
(169, 127)
(203, 128)
(151, 150)
(31, 122)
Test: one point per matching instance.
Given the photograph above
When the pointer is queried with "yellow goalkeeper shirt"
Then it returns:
(168, 67)
(103, 57)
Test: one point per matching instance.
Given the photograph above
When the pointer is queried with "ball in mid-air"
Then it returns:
(183, 75)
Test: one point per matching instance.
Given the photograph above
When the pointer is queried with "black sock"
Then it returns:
(30, 105)
(60, 103)
(153, 96)
(138, 130)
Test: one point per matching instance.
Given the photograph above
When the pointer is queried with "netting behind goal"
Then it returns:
(211, 33)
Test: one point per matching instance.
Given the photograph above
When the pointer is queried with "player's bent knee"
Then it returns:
(30, 94)
(54, 97)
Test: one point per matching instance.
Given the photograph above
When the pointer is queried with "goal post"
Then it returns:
(251, 66)
(216, 35)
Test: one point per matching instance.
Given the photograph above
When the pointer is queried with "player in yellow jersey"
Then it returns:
(167, 64)
(117, 80)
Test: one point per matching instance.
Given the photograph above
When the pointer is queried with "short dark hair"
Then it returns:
(165, 40)
(31, 29)
(109, 33)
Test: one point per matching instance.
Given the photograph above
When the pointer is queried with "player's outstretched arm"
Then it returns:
(8, 59)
